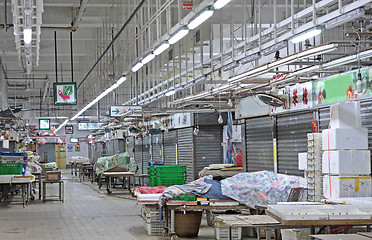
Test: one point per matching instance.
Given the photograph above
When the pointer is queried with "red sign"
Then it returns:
(314, 124)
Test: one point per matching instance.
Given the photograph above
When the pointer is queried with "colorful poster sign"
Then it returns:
(65, 93)
(70, 147)
(342, 87)
(77, 147)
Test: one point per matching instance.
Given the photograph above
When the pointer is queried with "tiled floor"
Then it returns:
(87, 213)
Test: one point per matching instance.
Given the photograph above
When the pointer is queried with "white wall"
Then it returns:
(77, 134)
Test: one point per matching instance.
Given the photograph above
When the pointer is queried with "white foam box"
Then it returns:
(302, 161)
(347, 186)
(345, 138)
(347, 162)
(345, 115)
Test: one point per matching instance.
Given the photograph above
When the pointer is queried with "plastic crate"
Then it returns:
(170, 181)
(11, 168)
(185, 197)
(152, 181)
(170, 174)
(170, 169)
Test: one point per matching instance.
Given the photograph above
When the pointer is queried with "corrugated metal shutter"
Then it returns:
(292, 139)
(157, 144)
(138, 153)
(146, 147)
(259, 144)
(185, 140)
(119, 146)
(208, 149)
(170, 141)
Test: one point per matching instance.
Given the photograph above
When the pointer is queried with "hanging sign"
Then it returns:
(118, 111)
(44, 124)
(299, 97)
(342, 87)
(69, 130)
(77, 147)
(65, 93)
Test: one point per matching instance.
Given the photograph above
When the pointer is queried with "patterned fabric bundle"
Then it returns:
(259, 188)
(118, 160)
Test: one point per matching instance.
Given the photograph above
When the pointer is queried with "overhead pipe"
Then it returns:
(76, 21)
(113, 40)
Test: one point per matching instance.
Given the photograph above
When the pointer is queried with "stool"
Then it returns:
(61, 191)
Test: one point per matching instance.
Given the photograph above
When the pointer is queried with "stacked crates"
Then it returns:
(314, 167)
(166, 175)
(151, 220)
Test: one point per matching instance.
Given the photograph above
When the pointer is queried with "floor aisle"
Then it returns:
(86, 214)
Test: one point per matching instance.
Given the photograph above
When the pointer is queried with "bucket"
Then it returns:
(187, 225)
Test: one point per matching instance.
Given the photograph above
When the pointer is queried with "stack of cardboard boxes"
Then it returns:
(346, 158)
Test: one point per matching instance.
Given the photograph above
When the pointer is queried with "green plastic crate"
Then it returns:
(170, 168)
(11, 168)
(185, 197)
(170, 181)
(152, 181)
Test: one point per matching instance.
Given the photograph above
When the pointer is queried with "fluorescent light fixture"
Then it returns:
(178, 35)
(230, 66)
(121, 80)
(99, 97)
(200, 18)
(148, 58)
(137, 66)
(344, 18)
(250, 58)
(161, 48)
(315, 31)
(170, 93)
(274, 48)
(27, 35)
(220, 3)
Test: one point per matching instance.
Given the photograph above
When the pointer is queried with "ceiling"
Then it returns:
(94, 42)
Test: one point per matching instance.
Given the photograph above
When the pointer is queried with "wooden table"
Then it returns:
(111, 175)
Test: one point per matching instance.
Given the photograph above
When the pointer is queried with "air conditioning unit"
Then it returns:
(119, 134)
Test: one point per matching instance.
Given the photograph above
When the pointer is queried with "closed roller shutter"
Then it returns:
(208, 149)
(138, 153)
(119, 146)
(146, 147)
(157, 144)
(130, 146)
(292, 139)
(259, 144)
(170, 141)
(186, 151)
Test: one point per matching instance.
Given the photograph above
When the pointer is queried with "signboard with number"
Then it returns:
(65, 93)
(118, 111)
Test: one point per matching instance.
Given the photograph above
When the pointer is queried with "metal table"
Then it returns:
(111, 175)
(24, 181)
(61, 191)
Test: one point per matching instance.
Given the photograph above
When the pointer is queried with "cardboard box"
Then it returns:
(347, 162)
(347, 186)
(53, 176)
(346, 115)
(345, 138)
